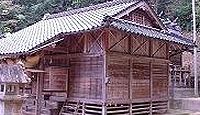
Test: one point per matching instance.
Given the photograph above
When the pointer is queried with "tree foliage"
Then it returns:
(181, 9)
(18, 14)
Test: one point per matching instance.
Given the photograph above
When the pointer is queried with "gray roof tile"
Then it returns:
(44, 32)
(136, 28)
(29, 38)
(12, 74)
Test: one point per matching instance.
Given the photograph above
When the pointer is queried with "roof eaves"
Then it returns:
(47, 43)
(170, 38)
(89, 8)
(128, 9)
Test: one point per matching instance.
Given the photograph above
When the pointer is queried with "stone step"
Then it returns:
(181, 112)
(191, 104)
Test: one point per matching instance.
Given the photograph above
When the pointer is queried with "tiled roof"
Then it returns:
(12, 74)
(47, 31)
(93, 7)
(132, 27)
(26, 40)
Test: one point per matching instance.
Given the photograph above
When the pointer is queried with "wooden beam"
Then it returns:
(77, 42)
(56, 49)
(112, 33)
(119, 41)
(75, 55)
(106, 39)
(150, 48)
(137, 58)
(35, 71)
(130, 45)
(176, 53)
(158, 49)
(85, 43)
(167, 51)
(89, 101)
(96, 40)
(139, 46)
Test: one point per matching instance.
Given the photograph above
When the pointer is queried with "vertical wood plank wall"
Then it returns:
(136, 71)
(85, 77)
(118, 72)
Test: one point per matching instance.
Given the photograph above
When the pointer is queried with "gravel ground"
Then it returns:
(182, 112)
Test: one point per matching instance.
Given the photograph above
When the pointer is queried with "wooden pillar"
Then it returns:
(104, 80)
(4, 91)
(17, 89)
(168, 84)
(83, 109)
(39, 94)
(23, 89)
(151, 88)
(175, 82)
(180, 78)
(105, 68)
(151, 76)
(130, 85)
(185, 79)
(104, 109)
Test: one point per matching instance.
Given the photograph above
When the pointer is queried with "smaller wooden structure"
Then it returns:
(12, 82)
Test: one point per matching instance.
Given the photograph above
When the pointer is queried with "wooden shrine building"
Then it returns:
(111, 58)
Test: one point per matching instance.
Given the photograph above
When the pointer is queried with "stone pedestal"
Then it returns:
(11, 106)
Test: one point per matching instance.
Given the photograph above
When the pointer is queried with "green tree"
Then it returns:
(18, 14)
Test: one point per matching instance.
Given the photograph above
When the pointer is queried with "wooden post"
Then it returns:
(151, 76)
(83, 109)
(105, 68)
(104, 111)
(180, 79)
(23, 92)
(39, 94)
(151, 88)
(4, 91)
(169, 85)
(168, 73)
(39, 91)
(17, 90)
(130, 86)
(173, 81)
